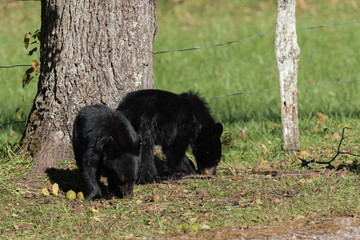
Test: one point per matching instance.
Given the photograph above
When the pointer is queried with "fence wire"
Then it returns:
(256, 35)
(14, 66)
(219, 44)
(19, 1)
(11, 123)
(275, 88)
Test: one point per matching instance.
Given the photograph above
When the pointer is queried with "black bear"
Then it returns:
(173, 121)
(106, 144)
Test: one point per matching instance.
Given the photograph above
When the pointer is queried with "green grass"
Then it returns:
(16, 20)
(327, 55)
(252, 123)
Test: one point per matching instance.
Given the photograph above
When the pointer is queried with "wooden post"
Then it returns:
(287, 53)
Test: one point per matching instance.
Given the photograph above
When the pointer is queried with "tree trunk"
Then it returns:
(91, 52)
(287, 54)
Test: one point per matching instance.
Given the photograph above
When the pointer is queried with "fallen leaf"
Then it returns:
(321, 121)
(202, 192)
(45, 192)
(321, 115)
(263, 146)
(247, 10)
(256, 169)
(16, 227)
(243, 134)
(5, 212)
(341, 173)
(94, 210)
(55, 189)
(335, 136)
(204, 226)
(303, 154)
(312, 214)
(156, 198)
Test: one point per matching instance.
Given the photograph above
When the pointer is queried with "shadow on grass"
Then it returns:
(353, 167)
(66, 178)
(71, 180)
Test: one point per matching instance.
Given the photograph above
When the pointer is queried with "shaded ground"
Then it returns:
(301, 228)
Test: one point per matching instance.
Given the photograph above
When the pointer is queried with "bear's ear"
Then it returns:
(218, 129)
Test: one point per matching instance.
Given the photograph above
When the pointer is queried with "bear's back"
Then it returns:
(100, 122)
(164, 106)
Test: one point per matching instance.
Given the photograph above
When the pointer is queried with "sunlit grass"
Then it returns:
(16, 19)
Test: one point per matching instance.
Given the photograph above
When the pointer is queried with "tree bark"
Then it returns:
(91, 52)
(287, 54)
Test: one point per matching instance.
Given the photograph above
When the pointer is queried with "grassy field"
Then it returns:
(252, 137)
(16, 20)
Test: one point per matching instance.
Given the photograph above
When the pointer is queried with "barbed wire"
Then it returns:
(220, 44)
(329, 25)
(14, 66)
(19, 1)
(11, 123)
(249, 38)
(241, 93)
(274, 88)
(213, 46)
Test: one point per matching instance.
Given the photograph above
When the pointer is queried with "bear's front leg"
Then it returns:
(187, 166)
(92, 188)
(91, 174)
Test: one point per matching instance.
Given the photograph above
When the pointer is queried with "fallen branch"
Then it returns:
(305, 163)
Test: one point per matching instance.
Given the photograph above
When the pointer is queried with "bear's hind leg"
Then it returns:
(147, 171)
(178, 163)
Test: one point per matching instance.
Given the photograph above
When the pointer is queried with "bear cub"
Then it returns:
(173, 121)
(106, 144)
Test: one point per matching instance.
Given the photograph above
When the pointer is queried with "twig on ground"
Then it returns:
(305, 163)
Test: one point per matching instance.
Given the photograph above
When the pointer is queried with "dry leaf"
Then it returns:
(94, 210)
(321, 115)
(303, 154)
(335, 136)
(55, 189)
(45, 192)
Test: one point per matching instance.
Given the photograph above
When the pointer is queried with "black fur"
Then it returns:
(173, 121)
(106, 144)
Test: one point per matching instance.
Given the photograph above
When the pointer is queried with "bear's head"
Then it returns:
(207, 149)
(121, 165)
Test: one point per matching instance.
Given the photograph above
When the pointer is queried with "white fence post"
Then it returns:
(287, 53)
